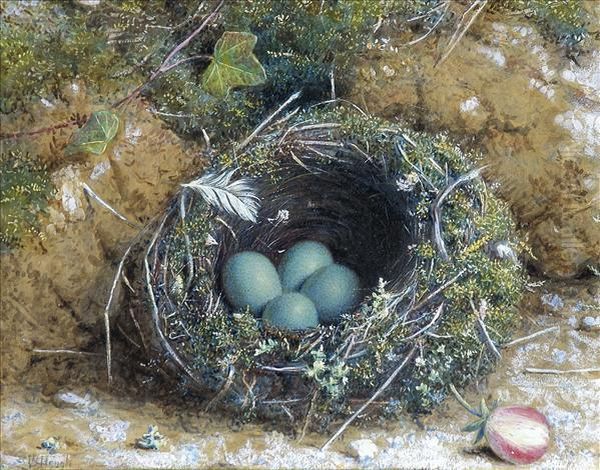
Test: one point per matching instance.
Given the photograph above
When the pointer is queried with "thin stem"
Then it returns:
(43, 130)
(463, 402)
(530, 337)
(107, 314)
(436, 210)
(266, 122)
(65, 351)
(165, 66)
(590, 370)
(379, 391)
(188, 59)
(459, 33)
(108, 207)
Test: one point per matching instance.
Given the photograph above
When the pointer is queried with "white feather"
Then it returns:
(234, 197)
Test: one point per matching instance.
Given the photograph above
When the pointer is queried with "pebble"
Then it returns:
(559, 356)
(68, 399)
(553, 301)
(110, 431)
(590, 324)
(363, 449)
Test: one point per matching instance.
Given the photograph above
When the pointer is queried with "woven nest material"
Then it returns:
(404, 210)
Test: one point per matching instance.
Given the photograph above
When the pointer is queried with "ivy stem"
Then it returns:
(16, 135)
(463, 402)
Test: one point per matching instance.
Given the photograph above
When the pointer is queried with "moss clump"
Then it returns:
(24, 193)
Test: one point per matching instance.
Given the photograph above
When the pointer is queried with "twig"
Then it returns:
(532, 370)
(286, 369)
(309, 415)
(107, 313)
(531, 336)
(223, 389)
(428, 13)
(137, 325)
(425, 301)
(64, 351)
(436, 211)
(459, 33)
(332, 81)
(187, 59)
(437, 291)
(266, 122)
(429, 325)
(432, 29)
(480, 316)
(165, 66)
(188, 249)
(340, 100)
(128, 337)
(379, 391)
(43, 130)
(108, 207)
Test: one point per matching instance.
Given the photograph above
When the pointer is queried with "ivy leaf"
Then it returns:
(99, 130)
(233, 64)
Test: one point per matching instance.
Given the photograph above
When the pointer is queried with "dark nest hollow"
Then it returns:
(404, 210)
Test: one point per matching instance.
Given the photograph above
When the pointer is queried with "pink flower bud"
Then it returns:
(517, 434)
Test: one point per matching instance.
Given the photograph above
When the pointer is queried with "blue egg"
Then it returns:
(250, 280)
(334, 290)
(300, 262)
(292, 311)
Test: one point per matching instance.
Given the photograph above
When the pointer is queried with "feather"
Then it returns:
(234, 197)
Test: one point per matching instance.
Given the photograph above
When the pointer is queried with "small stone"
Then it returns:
(572, 321)
(553, 301)
(559, 356)
(68, 399)
(363, 449)
(110, 431)
(590, 324)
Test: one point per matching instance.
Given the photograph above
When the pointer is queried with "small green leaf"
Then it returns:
(95, 135)
(480, 435)
(474, 426)
(233, 64)
(484, 408)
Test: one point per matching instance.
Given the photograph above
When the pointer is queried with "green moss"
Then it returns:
(24, 193)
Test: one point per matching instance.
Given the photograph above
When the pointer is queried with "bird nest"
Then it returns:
(434, 251)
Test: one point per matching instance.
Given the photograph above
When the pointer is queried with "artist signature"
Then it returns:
(49, 461)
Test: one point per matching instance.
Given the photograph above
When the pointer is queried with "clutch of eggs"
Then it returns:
(308, 287)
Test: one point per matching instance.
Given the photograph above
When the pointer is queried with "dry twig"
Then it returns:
(590, 370)
(462, 28)
(436, 210)
(379, 391)
(65, 351)
(524, 339)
